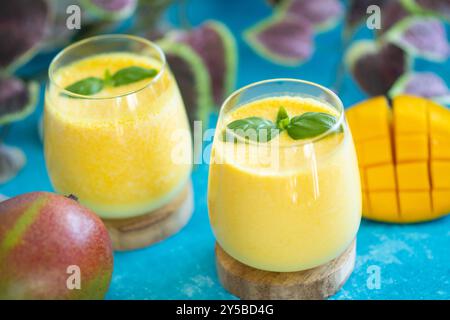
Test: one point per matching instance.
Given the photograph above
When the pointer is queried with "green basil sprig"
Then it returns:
(93, 85)
(107, 78)
(282, 118)
(132, 74)
(87, 86)
(254, 128)
(307, 125)
(310, 124)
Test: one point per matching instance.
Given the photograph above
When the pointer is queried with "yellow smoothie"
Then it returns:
(117, 150)
(298, 206)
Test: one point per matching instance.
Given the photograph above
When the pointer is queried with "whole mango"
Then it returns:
(404, 158)
(51, 247)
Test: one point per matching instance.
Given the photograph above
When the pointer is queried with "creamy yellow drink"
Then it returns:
(294, 206)
(117, 150)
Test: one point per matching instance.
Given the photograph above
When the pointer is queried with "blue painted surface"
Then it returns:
(414, 260)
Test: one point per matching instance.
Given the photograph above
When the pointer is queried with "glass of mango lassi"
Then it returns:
(284, 192)
(112, 122)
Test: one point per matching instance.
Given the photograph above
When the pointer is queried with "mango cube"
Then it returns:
(371, 119)
(440, 174)
(384, 204)
(410, 115)
(414, 205)
(441, 201)
(440, 147)
(381, 178)
(411, 147)
(439, 120)
(375, 151)
(413, 176)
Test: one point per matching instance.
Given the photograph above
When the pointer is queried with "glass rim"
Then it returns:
(74, 45)
(299, 142)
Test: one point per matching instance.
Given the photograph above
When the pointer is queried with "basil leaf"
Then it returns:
(108, 78)
(132, 74)
(254, 128)
(310, 124)
(282, 118)
(87, 86)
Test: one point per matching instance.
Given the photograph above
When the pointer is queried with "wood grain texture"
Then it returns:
(252, 284)
(144, 230)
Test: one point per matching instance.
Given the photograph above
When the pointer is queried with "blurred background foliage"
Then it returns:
(290, 34)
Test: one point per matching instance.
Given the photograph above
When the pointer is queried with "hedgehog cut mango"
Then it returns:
(404, 158)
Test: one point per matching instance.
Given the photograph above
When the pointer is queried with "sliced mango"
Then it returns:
(439, 119)
(370, 119)
(375, 151)
(414, 205)
(383, 206)
(441, 201)
(439, 132)
(440, 174)
(404, 158)
(411, 147)
(410, 115)
(440, 147)
(413, 176)
(381, 178)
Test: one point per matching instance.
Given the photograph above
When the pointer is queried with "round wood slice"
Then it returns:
(144, 230)
(252, 284)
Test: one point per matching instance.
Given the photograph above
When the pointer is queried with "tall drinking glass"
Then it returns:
(124, 150)
(286, 204)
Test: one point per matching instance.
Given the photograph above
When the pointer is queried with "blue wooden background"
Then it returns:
(414, 260)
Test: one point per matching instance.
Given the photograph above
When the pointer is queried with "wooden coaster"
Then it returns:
(144, 230)
(313, 284)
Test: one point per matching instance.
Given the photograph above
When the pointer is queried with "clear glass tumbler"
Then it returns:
(284, 205)
(123, 151)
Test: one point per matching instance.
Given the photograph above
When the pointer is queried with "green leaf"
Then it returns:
(254, 128)
(108, 78)
(132, 74)
(87, 86)
(282, 118)
(310, 124)
(93, 85)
